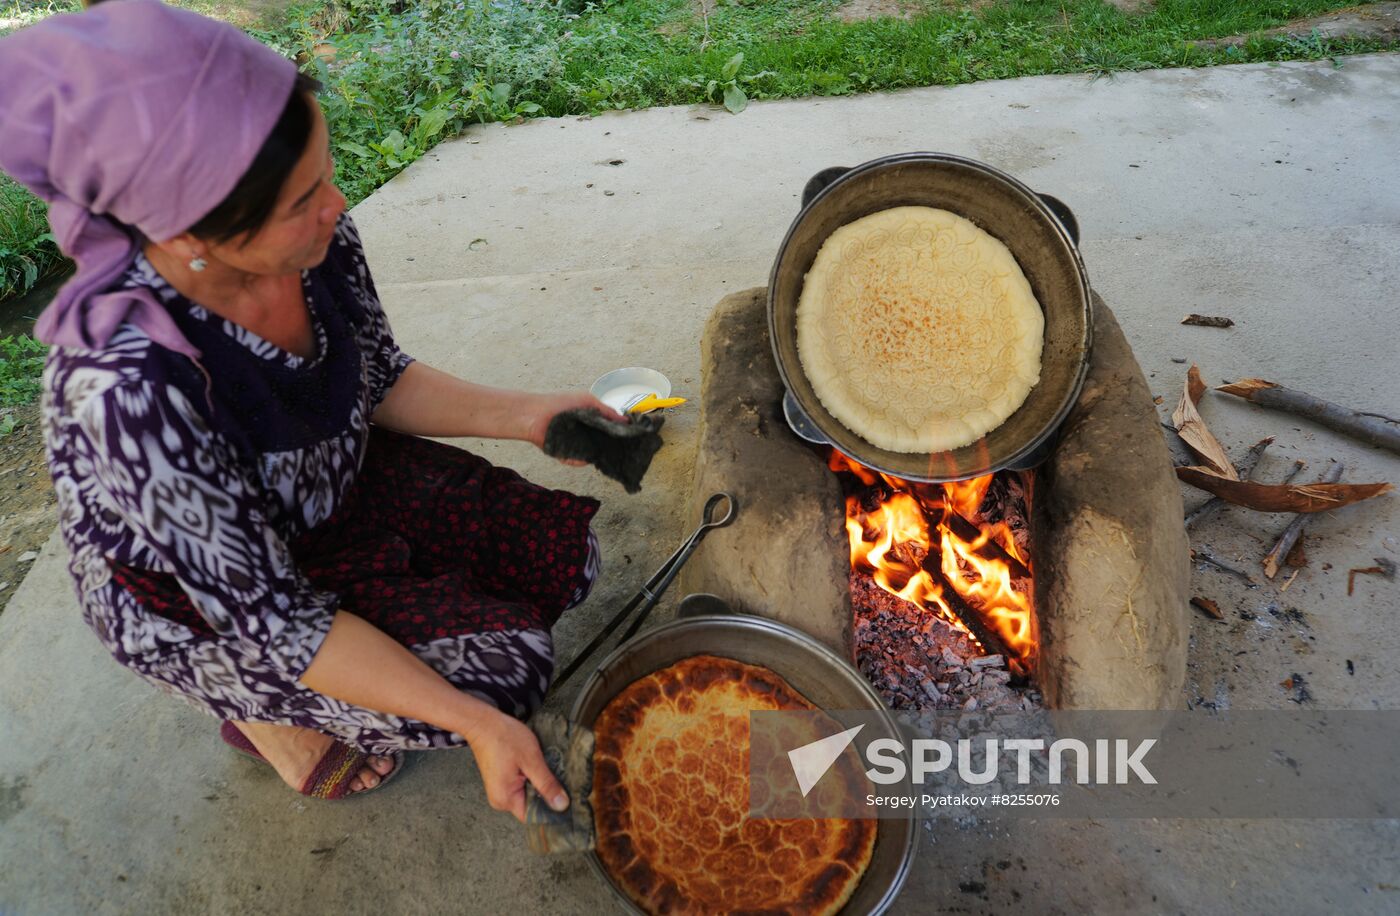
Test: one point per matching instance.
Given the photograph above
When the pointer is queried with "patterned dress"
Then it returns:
(216, 522)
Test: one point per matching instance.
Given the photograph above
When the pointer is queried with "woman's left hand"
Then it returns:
(548, 406)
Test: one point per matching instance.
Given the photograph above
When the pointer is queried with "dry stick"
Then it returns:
(1208, 558)
(705, 12)
(1367, 571)
(1246, 468)
(1371, 428)
(1295, 528)
(1298, 465)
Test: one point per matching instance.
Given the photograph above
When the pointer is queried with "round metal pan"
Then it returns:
(811, 668)
(1041, 234)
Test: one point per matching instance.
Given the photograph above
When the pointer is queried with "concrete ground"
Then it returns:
(523, 256)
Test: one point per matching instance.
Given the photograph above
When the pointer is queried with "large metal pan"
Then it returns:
(1042, 235)
(814, 670)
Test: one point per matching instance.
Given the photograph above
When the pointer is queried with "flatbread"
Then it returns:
(671, 794)
(918, 330)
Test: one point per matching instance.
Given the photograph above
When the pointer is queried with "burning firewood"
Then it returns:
(1246, 470)
(1194, 432)
(1311, 497)
(1208, 321)
(990, 550)
(1283, 547)
(918, 661)
(1371, 428)
(915, 541)
(965, 611)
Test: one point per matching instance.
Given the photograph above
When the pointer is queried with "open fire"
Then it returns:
(957, 556)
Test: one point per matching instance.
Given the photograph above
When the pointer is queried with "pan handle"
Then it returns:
(1064, 214)
(700, 604)
(818, 182)
(800, 423)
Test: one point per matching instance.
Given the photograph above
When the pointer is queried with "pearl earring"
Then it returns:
(198, 264)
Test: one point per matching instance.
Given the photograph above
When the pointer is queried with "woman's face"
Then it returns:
(299, 230)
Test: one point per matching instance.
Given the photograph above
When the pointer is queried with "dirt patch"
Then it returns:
(28, 511)
(1133, 6)
(861, 10)
(700, 11)
(250, 13)
(1376, 20)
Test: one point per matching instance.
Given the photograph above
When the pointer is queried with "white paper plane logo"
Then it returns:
(811, 761)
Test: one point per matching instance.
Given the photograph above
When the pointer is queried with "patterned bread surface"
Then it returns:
(671, 798)
(918, 330)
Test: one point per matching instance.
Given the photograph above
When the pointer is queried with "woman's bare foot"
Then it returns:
(294, 753)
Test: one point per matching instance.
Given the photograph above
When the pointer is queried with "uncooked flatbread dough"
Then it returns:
(918, 330)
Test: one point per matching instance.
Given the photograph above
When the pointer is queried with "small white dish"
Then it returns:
(619, 386)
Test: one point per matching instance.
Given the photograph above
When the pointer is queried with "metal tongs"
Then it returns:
(656, 586)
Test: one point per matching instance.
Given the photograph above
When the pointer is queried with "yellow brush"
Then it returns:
(645, 403)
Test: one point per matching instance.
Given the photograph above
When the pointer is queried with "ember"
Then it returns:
(941, 587)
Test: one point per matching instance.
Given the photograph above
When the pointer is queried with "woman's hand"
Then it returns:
(508, 755)
(548, 406)
(429, 402)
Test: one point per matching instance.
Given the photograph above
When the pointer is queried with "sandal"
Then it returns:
(331, 777)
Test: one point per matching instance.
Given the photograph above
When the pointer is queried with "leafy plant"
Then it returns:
(735, 99)
(27, 250)
(21, 367)
(726, 90)
(401, 81)
(396, 149)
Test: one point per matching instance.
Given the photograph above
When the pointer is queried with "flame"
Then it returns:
(894, 542)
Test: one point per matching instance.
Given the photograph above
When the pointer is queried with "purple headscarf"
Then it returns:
(132, 118)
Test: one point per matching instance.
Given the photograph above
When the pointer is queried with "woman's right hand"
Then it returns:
(508, 755)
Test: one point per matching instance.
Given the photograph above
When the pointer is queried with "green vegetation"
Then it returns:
(27, 251)
(400, 81)
(21, 364)
(401, 75)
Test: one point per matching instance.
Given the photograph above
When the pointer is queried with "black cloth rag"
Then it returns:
(622, 451)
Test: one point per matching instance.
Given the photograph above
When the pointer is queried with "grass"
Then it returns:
(27, 251)
(401, 75)
(786, 57)
(401, 81)
(21, 365)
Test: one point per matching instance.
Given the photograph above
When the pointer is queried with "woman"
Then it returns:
(253, 521)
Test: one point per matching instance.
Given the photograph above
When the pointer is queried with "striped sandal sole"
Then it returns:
(330, 779)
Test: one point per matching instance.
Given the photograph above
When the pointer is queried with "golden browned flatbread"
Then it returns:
(671, 796)
(918, 330)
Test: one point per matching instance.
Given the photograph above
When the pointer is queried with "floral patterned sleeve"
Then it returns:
(385, 361)
(183, 489)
